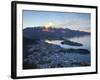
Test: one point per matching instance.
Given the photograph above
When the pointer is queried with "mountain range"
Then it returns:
(41, 33)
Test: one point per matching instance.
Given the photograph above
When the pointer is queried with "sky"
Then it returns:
(75, 21)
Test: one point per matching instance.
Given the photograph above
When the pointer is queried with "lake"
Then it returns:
(85, 40)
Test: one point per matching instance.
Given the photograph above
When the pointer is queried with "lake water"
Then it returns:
(85, 40)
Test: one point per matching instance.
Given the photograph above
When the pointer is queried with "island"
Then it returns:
(68, 42)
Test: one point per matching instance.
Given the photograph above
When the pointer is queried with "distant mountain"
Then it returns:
(51, 33)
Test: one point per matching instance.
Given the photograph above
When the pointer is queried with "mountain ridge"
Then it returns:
(52, 33)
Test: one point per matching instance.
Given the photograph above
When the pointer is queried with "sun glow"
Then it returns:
(49, 24)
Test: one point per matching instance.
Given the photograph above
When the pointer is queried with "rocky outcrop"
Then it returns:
(44, 55)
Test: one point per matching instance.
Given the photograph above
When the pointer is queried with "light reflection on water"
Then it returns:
(85, 40)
